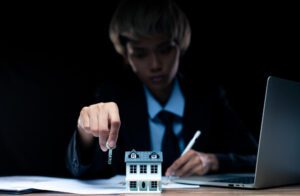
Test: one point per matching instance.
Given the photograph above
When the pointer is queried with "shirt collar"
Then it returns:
(175, 103)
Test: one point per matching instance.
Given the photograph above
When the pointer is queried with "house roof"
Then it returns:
(143, 156)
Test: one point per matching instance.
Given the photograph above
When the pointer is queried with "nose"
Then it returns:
(154, 62)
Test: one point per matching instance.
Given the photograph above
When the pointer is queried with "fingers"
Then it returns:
(115, 123)
(199, 170)
(174, 168)
(192, 163)
(100, 120)
(83, 124)
(83, 120)
(189, 166)
(102, 123)
(109, 125)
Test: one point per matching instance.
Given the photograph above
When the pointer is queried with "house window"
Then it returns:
(143, 169)
(153, 169)
(133, 156)
(133, 185)
(132, 169)
(153, 186)
(154, 155)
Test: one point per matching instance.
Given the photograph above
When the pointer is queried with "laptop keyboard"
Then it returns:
(238, 180)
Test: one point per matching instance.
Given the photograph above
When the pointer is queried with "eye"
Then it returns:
(166, 49)
(139, 54)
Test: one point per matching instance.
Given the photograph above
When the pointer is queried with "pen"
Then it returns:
(187, 148)
(191, 143)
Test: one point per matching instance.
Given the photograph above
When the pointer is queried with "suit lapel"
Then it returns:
(196, 115)
(135, 126)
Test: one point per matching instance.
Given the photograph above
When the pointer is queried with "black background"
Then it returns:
(52, 56)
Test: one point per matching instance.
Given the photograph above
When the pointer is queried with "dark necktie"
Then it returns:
(170, 147)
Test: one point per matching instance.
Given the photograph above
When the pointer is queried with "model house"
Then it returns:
(143, 171)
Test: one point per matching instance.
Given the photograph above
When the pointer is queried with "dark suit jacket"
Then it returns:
(206, 109)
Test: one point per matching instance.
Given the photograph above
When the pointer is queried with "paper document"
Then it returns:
(114, 185)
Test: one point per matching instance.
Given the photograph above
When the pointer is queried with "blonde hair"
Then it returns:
(143, 18)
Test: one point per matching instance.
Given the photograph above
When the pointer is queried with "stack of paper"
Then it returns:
(114, 185)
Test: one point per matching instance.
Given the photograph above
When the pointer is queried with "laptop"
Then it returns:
(278, 157)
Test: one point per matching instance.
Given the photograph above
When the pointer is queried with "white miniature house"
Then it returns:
(143, 171)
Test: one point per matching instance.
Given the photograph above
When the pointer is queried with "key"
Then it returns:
(109, 156)
(110, 150)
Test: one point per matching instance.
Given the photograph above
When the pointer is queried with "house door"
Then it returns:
(143, 185)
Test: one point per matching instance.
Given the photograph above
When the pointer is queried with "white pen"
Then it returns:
(191, 143)
(187, 148)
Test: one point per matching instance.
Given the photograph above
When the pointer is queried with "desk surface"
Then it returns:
(287, 190)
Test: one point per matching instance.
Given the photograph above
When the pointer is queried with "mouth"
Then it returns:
(157, 79)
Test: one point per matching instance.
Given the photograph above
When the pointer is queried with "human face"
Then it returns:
(155, 61)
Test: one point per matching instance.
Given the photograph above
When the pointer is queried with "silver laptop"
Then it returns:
(278, 157)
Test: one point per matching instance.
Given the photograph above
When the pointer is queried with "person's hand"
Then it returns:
(100, 120)
(193, 163)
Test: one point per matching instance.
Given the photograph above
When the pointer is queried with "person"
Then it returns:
(152, 36)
